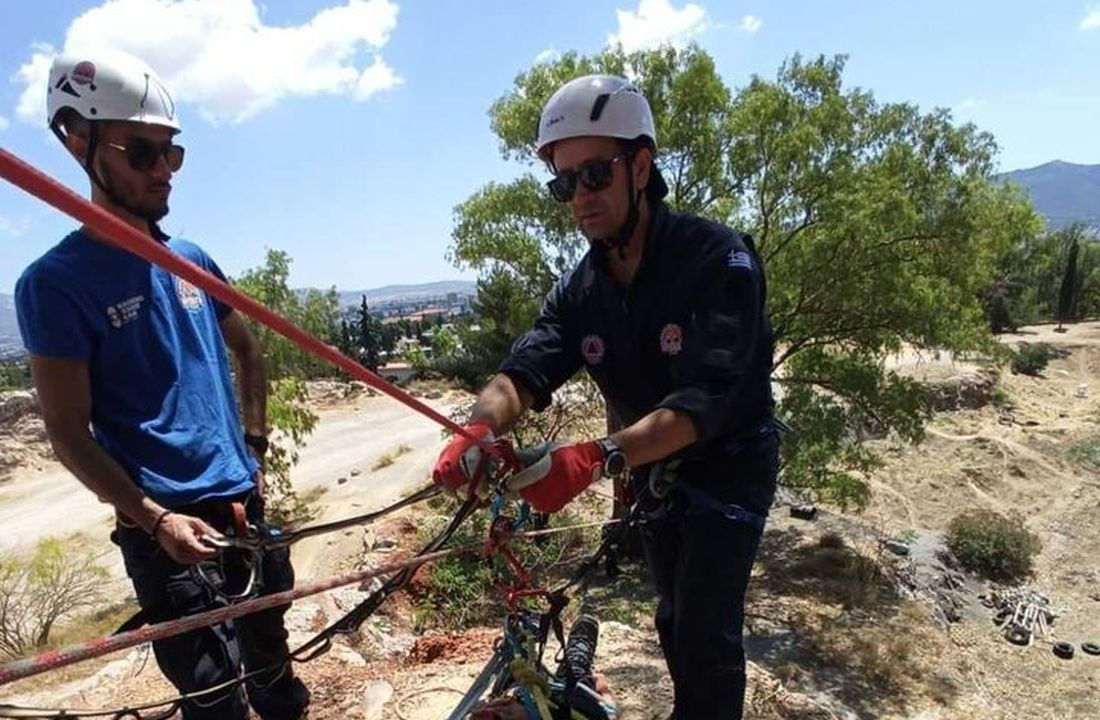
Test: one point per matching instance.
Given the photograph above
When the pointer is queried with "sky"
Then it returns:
(345, 132)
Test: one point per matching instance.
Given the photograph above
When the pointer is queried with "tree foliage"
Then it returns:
(1069, 291)
(1033, 278)
(288, 367)
(39, 590)
(15, 375)
(878, 224)
(368, 337)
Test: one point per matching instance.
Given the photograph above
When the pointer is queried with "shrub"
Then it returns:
(1086, 453)
(1031, 359)
(39, 590)
(463, 590)
(998, 396)
(992, 545)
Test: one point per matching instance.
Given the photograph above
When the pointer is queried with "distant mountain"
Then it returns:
(395, 294)
(1064, 193)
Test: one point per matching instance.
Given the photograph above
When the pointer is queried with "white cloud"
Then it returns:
(33, 74)
(657, 22)
(751, 23)
(4, 123)
(222, 57)
(376, 78)
(1092, 20)
(547, 55)
(14, 228)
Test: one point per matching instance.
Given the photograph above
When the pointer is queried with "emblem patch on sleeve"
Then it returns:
(672, 339)
(592, 348)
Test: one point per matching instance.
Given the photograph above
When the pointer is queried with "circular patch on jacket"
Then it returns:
(592, 348)
(672, 339)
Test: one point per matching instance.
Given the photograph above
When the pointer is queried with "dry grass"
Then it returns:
(103, 621)
(842, 575)
(897, 655)
(389, 458)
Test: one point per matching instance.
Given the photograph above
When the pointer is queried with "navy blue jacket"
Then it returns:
(689, 334)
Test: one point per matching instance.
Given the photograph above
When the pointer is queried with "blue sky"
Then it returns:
(346, 131)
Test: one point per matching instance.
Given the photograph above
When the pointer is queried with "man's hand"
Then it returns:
(559, 475)
(181, 537)
(463, 464)
(261, 484)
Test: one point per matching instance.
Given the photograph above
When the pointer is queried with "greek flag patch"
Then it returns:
(739, 259)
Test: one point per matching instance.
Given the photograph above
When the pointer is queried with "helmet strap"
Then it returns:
(89, 168)
(620, 239)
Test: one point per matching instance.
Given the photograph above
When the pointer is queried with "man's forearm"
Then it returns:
(101, 474)
(656, 436)
(500, 404)
(253, 389)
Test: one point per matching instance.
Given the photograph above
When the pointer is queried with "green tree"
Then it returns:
(368, 336)
(1090, 278)
(878, 224)
(346, 344)
(39, 590)
(502, 309)
(288, 367)
(1069, 292)
(1031, 275)
(15, 375)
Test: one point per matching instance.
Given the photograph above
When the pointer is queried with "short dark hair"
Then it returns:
(657, 188)
(631, 147)
(72, 122)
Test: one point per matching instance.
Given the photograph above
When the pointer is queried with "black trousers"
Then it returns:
(700, 561)
(206, 657)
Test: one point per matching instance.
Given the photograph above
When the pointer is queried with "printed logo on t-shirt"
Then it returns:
(126, 311)
(672, 339)
(592, 348)
(189, 295)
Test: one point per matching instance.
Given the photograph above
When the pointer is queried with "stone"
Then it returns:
(375, 697)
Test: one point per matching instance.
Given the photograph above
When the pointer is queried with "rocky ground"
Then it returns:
(850, 616)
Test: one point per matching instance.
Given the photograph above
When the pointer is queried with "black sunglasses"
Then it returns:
(143, 154)
(595, 176)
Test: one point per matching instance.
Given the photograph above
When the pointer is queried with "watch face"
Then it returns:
(615, 464)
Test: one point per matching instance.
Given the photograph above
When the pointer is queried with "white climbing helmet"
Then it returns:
(594, 105)
(108, 85)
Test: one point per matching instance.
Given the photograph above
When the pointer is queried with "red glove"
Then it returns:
(560, 475)
(463, 463)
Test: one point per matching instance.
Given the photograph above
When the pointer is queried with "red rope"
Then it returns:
(105, 225)
(19, 669)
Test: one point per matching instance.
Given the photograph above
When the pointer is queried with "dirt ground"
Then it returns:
(838, 626)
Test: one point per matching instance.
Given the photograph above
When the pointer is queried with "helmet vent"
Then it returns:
(598, 106)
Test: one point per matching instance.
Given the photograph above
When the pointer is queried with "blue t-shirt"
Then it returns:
(162, 399)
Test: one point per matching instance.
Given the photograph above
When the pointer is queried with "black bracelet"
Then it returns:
(156, 524)
(258, 443)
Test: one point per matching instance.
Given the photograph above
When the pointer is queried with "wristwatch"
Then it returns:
(258, 443)
(614, 460)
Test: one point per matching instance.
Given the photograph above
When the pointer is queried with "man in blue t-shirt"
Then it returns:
(137, 355)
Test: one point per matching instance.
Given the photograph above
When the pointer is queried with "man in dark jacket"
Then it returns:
(666, 313)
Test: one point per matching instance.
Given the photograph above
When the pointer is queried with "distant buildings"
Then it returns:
(396, 372)
(426, 309)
